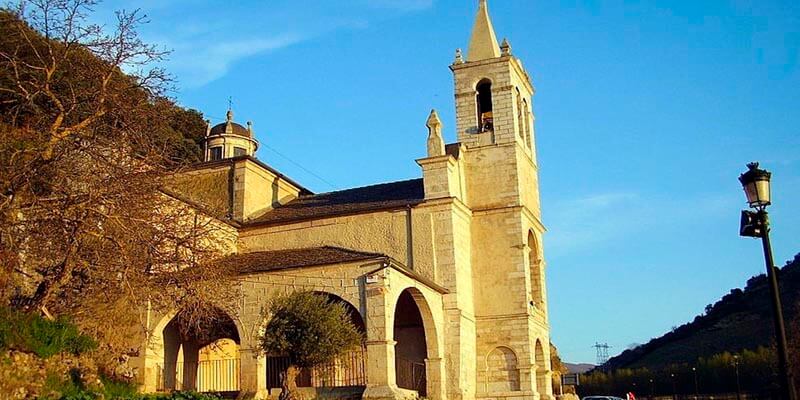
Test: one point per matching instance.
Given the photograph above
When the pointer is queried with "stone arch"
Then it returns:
(502, 370)
(541, 364)
(484, 105)
(348, 370)
(536, 273)
(355, 314)
(416, 339)
(207, 359)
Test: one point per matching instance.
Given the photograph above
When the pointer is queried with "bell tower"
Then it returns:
(493, 92)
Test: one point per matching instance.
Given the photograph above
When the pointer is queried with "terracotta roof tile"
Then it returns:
(350, 201)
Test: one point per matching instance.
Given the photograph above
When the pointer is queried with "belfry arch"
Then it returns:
(483, 103)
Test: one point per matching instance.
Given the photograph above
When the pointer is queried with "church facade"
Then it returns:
(444, 274)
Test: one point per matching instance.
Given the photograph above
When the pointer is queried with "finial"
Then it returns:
(208, 127)
(505, 48)
(435, 140)
(459, 57)
(229, 115)
(250, 127)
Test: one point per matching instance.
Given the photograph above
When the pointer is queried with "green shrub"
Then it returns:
(32, 333)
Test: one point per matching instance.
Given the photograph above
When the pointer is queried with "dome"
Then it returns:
(236, 129)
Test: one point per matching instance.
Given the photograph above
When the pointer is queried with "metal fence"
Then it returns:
(411, 375)
(211, 376)
(347, 370)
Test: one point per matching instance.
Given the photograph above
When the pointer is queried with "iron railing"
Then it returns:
(347, 370)
(411, 375)
(212, 376)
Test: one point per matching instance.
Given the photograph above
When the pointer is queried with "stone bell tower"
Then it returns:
(494, 93)
(495, 126)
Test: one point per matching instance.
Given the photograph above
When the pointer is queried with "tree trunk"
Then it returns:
(289, 384)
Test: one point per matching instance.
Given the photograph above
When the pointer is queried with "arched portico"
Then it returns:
(417, 355)
(201, 356)
(347, 371)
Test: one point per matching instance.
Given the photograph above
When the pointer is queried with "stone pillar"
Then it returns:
(170, 350)
(381, 379)
(435, 373)
(253, 373)
(191, 356)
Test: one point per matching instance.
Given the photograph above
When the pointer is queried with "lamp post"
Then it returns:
(696, 391)
(756, 224)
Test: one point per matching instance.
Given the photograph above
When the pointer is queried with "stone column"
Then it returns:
(191, 356)
(253, 373)
(435, 372)
(381, 379)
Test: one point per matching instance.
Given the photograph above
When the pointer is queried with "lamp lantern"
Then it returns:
(756, 186)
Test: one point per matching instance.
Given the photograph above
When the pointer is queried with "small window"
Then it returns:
(216, 153)
(239, 151)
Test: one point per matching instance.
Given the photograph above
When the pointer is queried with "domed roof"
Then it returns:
(235, 129)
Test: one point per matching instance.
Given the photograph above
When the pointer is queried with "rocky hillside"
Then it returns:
(742, 319)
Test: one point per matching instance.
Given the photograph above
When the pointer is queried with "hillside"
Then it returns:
(742, 319)
(579, 368)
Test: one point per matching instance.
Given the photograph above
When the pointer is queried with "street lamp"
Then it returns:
(756, 224)
(696, 391)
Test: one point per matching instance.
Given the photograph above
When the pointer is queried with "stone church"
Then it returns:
(444, 273)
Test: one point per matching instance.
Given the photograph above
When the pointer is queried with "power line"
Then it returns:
(287, 158)
(300, 166)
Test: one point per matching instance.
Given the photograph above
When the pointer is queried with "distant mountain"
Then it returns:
(579, 368)
(742, 319)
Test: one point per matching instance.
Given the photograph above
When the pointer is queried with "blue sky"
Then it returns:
(647, 111)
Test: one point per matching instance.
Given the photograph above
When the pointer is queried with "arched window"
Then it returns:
(483, 102)
(526, 112)
(535, 266)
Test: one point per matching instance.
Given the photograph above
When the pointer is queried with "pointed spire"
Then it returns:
(435, 140)
(483, 43)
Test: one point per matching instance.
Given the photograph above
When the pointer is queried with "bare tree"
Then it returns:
(86, 228)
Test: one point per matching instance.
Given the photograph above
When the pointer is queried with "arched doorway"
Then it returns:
(411, 347)
(201, 355)
(349, 370)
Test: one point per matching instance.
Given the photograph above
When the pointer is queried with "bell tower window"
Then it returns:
(483, 101)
